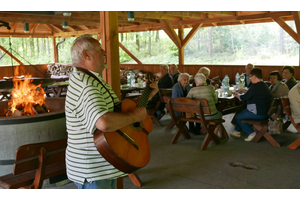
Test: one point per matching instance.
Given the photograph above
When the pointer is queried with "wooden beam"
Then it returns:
(26, 35)
(238, 18)
(150, 15)
(14, 28)
(33, 28)
(171, 32)
(77, 33)
(191, 34)
(59, 28)
(129, 53)
(110, 42)
(296, 15)
(55, 54)
(49, 27)
(287, 28)
(9, 54)
(47, 19)
(227, 13)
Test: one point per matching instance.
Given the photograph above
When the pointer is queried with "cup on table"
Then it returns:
(234, 88)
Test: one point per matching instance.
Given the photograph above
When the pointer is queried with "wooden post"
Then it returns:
(181, 47)
(110, 43)
(55, 54)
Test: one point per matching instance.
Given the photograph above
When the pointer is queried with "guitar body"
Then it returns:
(118, 150)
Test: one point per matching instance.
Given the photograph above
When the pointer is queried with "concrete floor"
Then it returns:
(184, 166)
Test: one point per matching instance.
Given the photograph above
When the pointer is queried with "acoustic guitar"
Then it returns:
(127, 149)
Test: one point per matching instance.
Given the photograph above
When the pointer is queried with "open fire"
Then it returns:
(26, 98)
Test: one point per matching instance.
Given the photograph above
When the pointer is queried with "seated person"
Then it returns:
(258, 98)
(277, 88)
(294, 97)
(205, 91)
(174, 73)
(206, 72)
(288, 75)
(181, 89)
(248, 68)
(166, 81)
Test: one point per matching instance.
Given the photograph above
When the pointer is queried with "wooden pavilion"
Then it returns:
(107, 25)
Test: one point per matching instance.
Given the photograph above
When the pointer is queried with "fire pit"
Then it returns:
(16, 131)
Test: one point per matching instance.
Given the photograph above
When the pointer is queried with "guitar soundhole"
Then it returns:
(136, 124)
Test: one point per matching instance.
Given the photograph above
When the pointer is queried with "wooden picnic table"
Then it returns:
(126, 90)
(56, 89)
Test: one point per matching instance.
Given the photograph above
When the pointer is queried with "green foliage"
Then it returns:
(238, 44)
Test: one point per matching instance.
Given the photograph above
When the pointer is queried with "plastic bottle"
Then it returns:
(237, 80)
(132, 79)
(242, 80)
(128, 78)
(226, 85)
(223, 87)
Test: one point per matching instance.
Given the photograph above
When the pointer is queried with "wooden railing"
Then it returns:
(215, 70)
(39, 70)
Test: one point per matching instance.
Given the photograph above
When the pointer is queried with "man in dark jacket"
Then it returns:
(174, 72)
(166, 81)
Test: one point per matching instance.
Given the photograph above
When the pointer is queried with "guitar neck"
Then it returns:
(144, 98)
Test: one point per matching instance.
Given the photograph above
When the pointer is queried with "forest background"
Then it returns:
(263, 44)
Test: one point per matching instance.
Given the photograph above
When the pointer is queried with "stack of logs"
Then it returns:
(37, 109)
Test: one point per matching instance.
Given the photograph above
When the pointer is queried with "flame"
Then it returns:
(26, 94)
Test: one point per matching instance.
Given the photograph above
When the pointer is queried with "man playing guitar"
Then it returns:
(90, 106)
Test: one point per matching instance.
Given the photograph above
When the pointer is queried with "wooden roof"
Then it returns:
(49, 24)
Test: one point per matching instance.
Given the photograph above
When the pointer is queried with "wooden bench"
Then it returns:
(261, 125)
(286, 105)
(34, 163)
(155, 103)
(210, 127)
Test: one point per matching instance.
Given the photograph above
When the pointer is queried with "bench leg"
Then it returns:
(171, 125)
(135, 179)
(261, 132)
(295, 144)
(182, 130)
(205, 142)
(271, 140)
(156, 121)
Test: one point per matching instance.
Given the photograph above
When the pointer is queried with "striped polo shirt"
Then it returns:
(86, 102)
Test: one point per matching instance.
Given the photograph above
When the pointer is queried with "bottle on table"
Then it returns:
(237, 80)
(132, 79)
(242, 80)
(128, 78)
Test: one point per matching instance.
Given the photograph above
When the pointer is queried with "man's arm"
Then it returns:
(112, 121)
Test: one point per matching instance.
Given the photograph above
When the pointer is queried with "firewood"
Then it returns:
(17, 113)
(38, 109)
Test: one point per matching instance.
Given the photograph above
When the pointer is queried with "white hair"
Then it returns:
(203, 69)
(81, 43)
(200, 78)
(181, 75)
(165, 66)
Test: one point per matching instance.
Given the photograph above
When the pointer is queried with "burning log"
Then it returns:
(39, 109)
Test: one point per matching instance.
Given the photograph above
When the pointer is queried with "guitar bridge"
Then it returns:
(128, 138)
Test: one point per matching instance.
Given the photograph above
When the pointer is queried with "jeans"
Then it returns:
(100, 184)
(246, 114)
